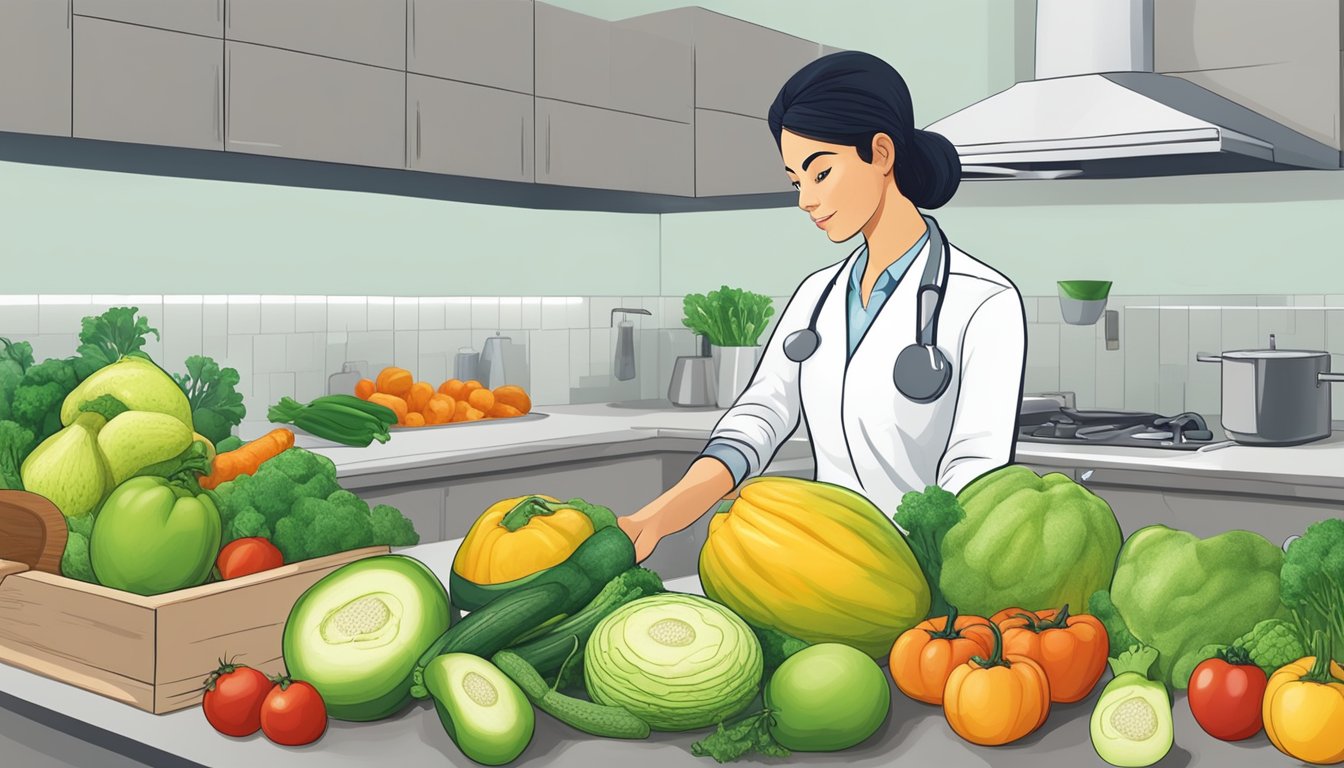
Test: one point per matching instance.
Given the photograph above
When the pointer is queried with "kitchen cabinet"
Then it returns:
(736, 155)
(739, 66)
(421, 503)
(199, 17)
(314, 108)
(616, 66)
(146, 85)
(581, 146)
(35, 74)
(365, 31)
(468, 130)
(487, 42)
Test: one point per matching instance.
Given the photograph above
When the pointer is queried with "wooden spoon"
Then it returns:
(32, 531)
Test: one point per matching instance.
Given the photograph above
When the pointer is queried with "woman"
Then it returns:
(899, 389)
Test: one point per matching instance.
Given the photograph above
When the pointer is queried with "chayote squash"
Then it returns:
(1028, 541)
(154, 535)
(1179, 593)
(815, 561)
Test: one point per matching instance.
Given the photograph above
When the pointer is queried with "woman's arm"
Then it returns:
(698, 491)
(993, 357)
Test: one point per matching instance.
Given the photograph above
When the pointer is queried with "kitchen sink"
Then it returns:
(657, 405)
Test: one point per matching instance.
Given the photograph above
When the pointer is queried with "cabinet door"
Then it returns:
(35, 66)
(488, 42)
(616, 66)
(314, 108)
(148, 86)
(201, 17)
(736, 155)
(581, 146)
(468, 130)
(740, 67)
(366, 31)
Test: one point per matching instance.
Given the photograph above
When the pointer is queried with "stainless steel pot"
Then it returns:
(1275, 396)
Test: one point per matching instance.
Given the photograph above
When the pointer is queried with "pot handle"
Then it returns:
(1328, 377)
(1205, 357)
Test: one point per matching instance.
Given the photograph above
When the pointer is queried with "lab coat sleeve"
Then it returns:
(984, 426)
(768, 411)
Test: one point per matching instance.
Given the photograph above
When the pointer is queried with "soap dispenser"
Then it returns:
(624, 364)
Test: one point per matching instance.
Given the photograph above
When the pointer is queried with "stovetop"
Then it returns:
(1184, 431)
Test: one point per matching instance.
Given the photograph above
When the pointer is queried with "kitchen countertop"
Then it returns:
(607, 427)
(415, 737)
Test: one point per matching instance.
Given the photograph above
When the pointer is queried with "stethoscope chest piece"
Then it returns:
(801, 344)
(922, 373)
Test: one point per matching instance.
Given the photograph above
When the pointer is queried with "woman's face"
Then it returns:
(835, 186)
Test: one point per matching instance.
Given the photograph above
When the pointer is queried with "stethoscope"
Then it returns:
(922, 372)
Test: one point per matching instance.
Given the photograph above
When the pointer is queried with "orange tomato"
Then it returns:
(415, 419)
(502, 411)
(397, 405)
(1072, 649)
(482, 400)
(394, 381)
(418, 397)
(440, 410)
(364, 388)
(923, 657)
(997, 700)
(1303, 710)
(474, 414)
(454, 388)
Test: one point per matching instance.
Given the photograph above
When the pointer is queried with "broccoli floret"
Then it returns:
(15, 443)
(278, 484)
(15, 359)
(1311, 582)
(245, 525)
(320, 527)
(82, 524)
(75, 563)
(392, 528)
(314, 474)
(38, 397)
(1271, 644)
(926, 518)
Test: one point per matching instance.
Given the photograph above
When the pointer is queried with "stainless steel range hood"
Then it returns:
(1097, 109)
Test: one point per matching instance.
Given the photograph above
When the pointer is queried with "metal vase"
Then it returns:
(735, 366)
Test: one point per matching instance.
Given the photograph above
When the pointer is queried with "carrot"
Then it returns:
(395, 381)
(246, 459)
(397, 405)
(440, 410)
(364, 388)
(454, 388)
(474, 414)
(504, 411)
(415, 419)
(418, 397)
(482, 400)
(513, 395)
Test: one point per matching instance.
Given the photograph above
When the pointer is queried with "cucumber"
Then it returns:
(589, 717)
(381, 412)
(493, 628)
(600, 558)
(546, 653)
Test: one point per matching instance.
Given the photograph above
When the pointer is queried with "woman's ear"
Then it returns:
(884, 153)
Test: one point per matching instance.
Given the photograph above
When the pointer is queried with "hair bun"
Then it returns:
(931, 171)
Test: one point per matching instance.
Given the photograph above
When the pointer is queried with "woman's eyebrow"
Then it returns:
(809, 160)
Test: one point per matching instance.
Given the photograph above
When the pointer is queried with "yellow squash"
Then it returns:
(1303, 710)
(815, 561)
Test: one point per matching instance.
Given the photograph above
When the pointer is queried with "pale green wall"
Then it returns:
(77, 231)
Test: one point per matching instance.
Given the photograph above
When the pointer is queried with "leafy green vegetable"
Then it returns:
(232, 442)
(748, 735)
(1085, 290)
(295, 501)
(926, 518)
(38, 397)
(730, 317)
(776, 646)
(15, 443)
(1117, 633)
(1271, 644)
(216, 407)
(1312, 581)
(15, 360)
(75, 562)
(106, 338)
(1179, 593)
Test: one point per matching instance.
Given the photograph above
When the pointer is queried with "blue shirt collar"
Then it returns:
(893, 273)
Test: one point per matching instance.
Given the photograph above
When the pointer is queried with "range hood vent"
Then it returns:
(1098, 110)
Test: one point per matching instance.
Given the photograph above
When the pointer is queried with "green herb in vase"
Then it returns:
(730, 317)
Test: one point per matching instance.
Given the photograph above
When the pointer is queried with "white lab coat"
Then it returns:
(865, 434)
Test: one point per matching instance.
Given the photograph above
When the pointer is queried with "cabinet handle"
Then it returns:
(548, 145)
(417, 130)
(219, 129)
(522, 145)
(228, 87)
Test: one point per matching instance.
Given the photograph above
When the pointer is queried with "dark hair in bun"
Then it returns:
(849, 97)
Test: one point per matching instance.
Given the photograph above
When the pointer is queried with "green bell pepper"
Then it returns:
(155, 535)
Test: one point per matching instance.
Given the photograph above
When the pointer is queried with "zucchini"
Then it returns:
(589, 717)
(547, 652)
(600, 558)
(491, 629)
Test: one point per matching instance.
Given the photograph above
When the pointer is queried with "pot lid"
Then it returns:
(1263, 354)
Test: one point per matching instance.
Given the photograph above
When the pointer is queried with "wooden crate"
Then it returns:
(155, 652)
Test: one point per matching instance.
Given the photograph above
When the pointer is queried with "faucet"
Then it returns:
(625, 343)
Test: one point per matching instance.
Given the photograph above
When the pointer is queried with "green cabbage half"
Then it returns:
(679, 662)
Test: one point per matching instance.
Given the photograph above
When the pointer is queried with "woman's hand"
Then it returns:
(697, 492)
(644, 529)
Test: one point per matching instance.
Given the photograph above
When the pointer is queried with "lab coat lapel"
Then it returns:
(895, 325)
(823, 381)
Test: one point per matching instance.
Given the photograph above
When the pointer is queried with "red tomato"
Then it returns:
(293, 714)
(243, 556)
(1226, 698)
(233, 699)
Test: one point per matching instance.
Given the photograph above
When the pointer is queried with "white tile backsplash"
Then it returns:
(457, 314)
(270, 354)
(554, 314)
(484, 314)
(304, 352)
(309, 384)
(244, 314)
(347, 313)
(381, 313)
(431, 314)
(550, 366)
(406, 315)
(19, 320)
(531, 313)
(278, 314)
(406, 351)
